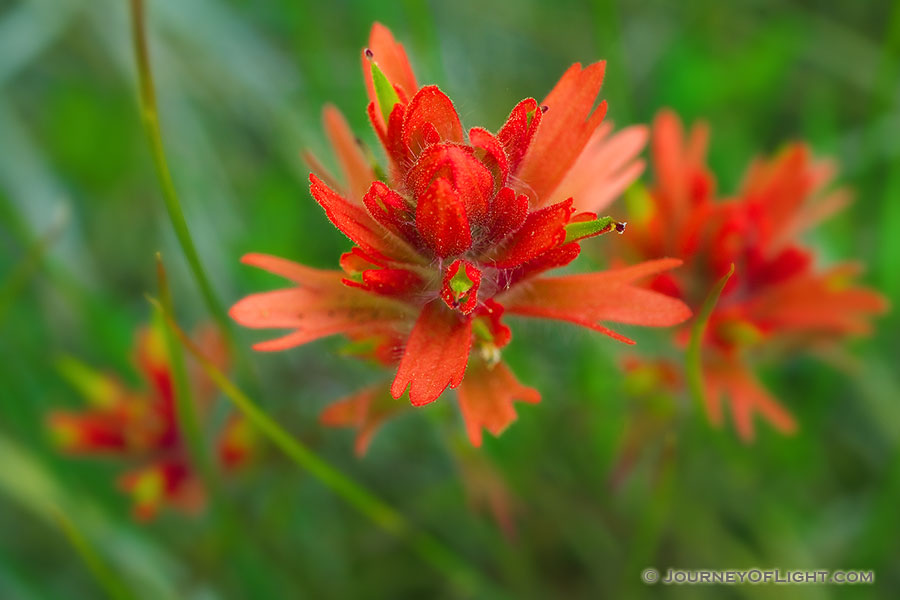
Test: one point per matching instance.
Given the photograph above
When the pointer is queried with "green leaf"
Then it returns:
(385, 93)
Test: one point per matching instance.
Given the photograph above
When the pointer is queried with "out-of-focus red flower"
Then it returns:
(459, 232)
(141, 426)
(776, 298)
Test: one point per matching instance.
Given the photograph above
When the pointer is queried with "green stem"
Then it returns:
(427, 547)
(150, 118)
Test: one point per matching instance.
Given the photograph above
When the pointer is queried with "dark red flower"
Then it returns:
(462, 227)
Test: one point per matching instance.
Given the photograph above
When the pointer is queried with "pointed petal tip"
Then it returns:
(396, 391)
(254, 259)
(277, 345)
(329, 108)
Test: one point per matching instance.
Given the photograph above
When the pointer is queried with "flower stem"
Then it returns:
(150, 118)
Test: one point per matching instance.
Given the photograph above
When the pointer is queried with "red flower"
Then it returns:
(461, 230)
(141, 427)
(776, 297)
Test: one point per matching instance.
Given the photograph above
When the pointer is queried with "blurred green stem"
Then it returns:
(150, 117)
(464, 577)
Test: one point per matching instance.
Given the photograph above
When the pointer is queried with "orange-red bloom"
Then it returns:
(141, 427)
(776, 298)
(459, 233)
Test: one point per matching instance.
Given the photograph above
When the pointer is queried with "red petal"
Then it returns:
(508, 213)
(669, 161)
(565, 130)
(89, 433)
(430, 106)
(486, 399)
(389, 208)
(747, 397)
(392, 282)
(308, 277)
(356, 224)
(604, 296)
(378, 123)
(820, 303)
(543, 229)
(394, 145)
(357, 261)
(605, 168)
(518, 132)
(468, 175)
(490, 151)
(435, 355)
(365, 410)
(357, 170)
(682, 179)
(441, 220)
(551, 259)
(325, 307)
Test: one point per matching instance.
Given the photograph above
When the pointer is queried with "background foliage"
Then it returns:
(241, 85)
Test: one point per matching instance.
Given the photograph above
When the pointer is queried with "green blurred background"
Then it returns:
(241, 85)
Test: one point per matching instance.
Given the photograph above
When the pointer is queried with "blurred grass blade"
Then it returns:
(467, 579)
(99, 569)
(694, 366)
(150, 118)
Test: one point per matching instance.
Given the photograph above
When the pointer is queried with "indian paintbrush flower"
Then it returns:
(141, 426)
(777, 299)
(456, 233)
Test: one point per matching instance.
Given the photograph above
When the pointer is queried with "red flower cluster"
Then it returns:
(776, 299)
(459, 233)
(142, 427)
